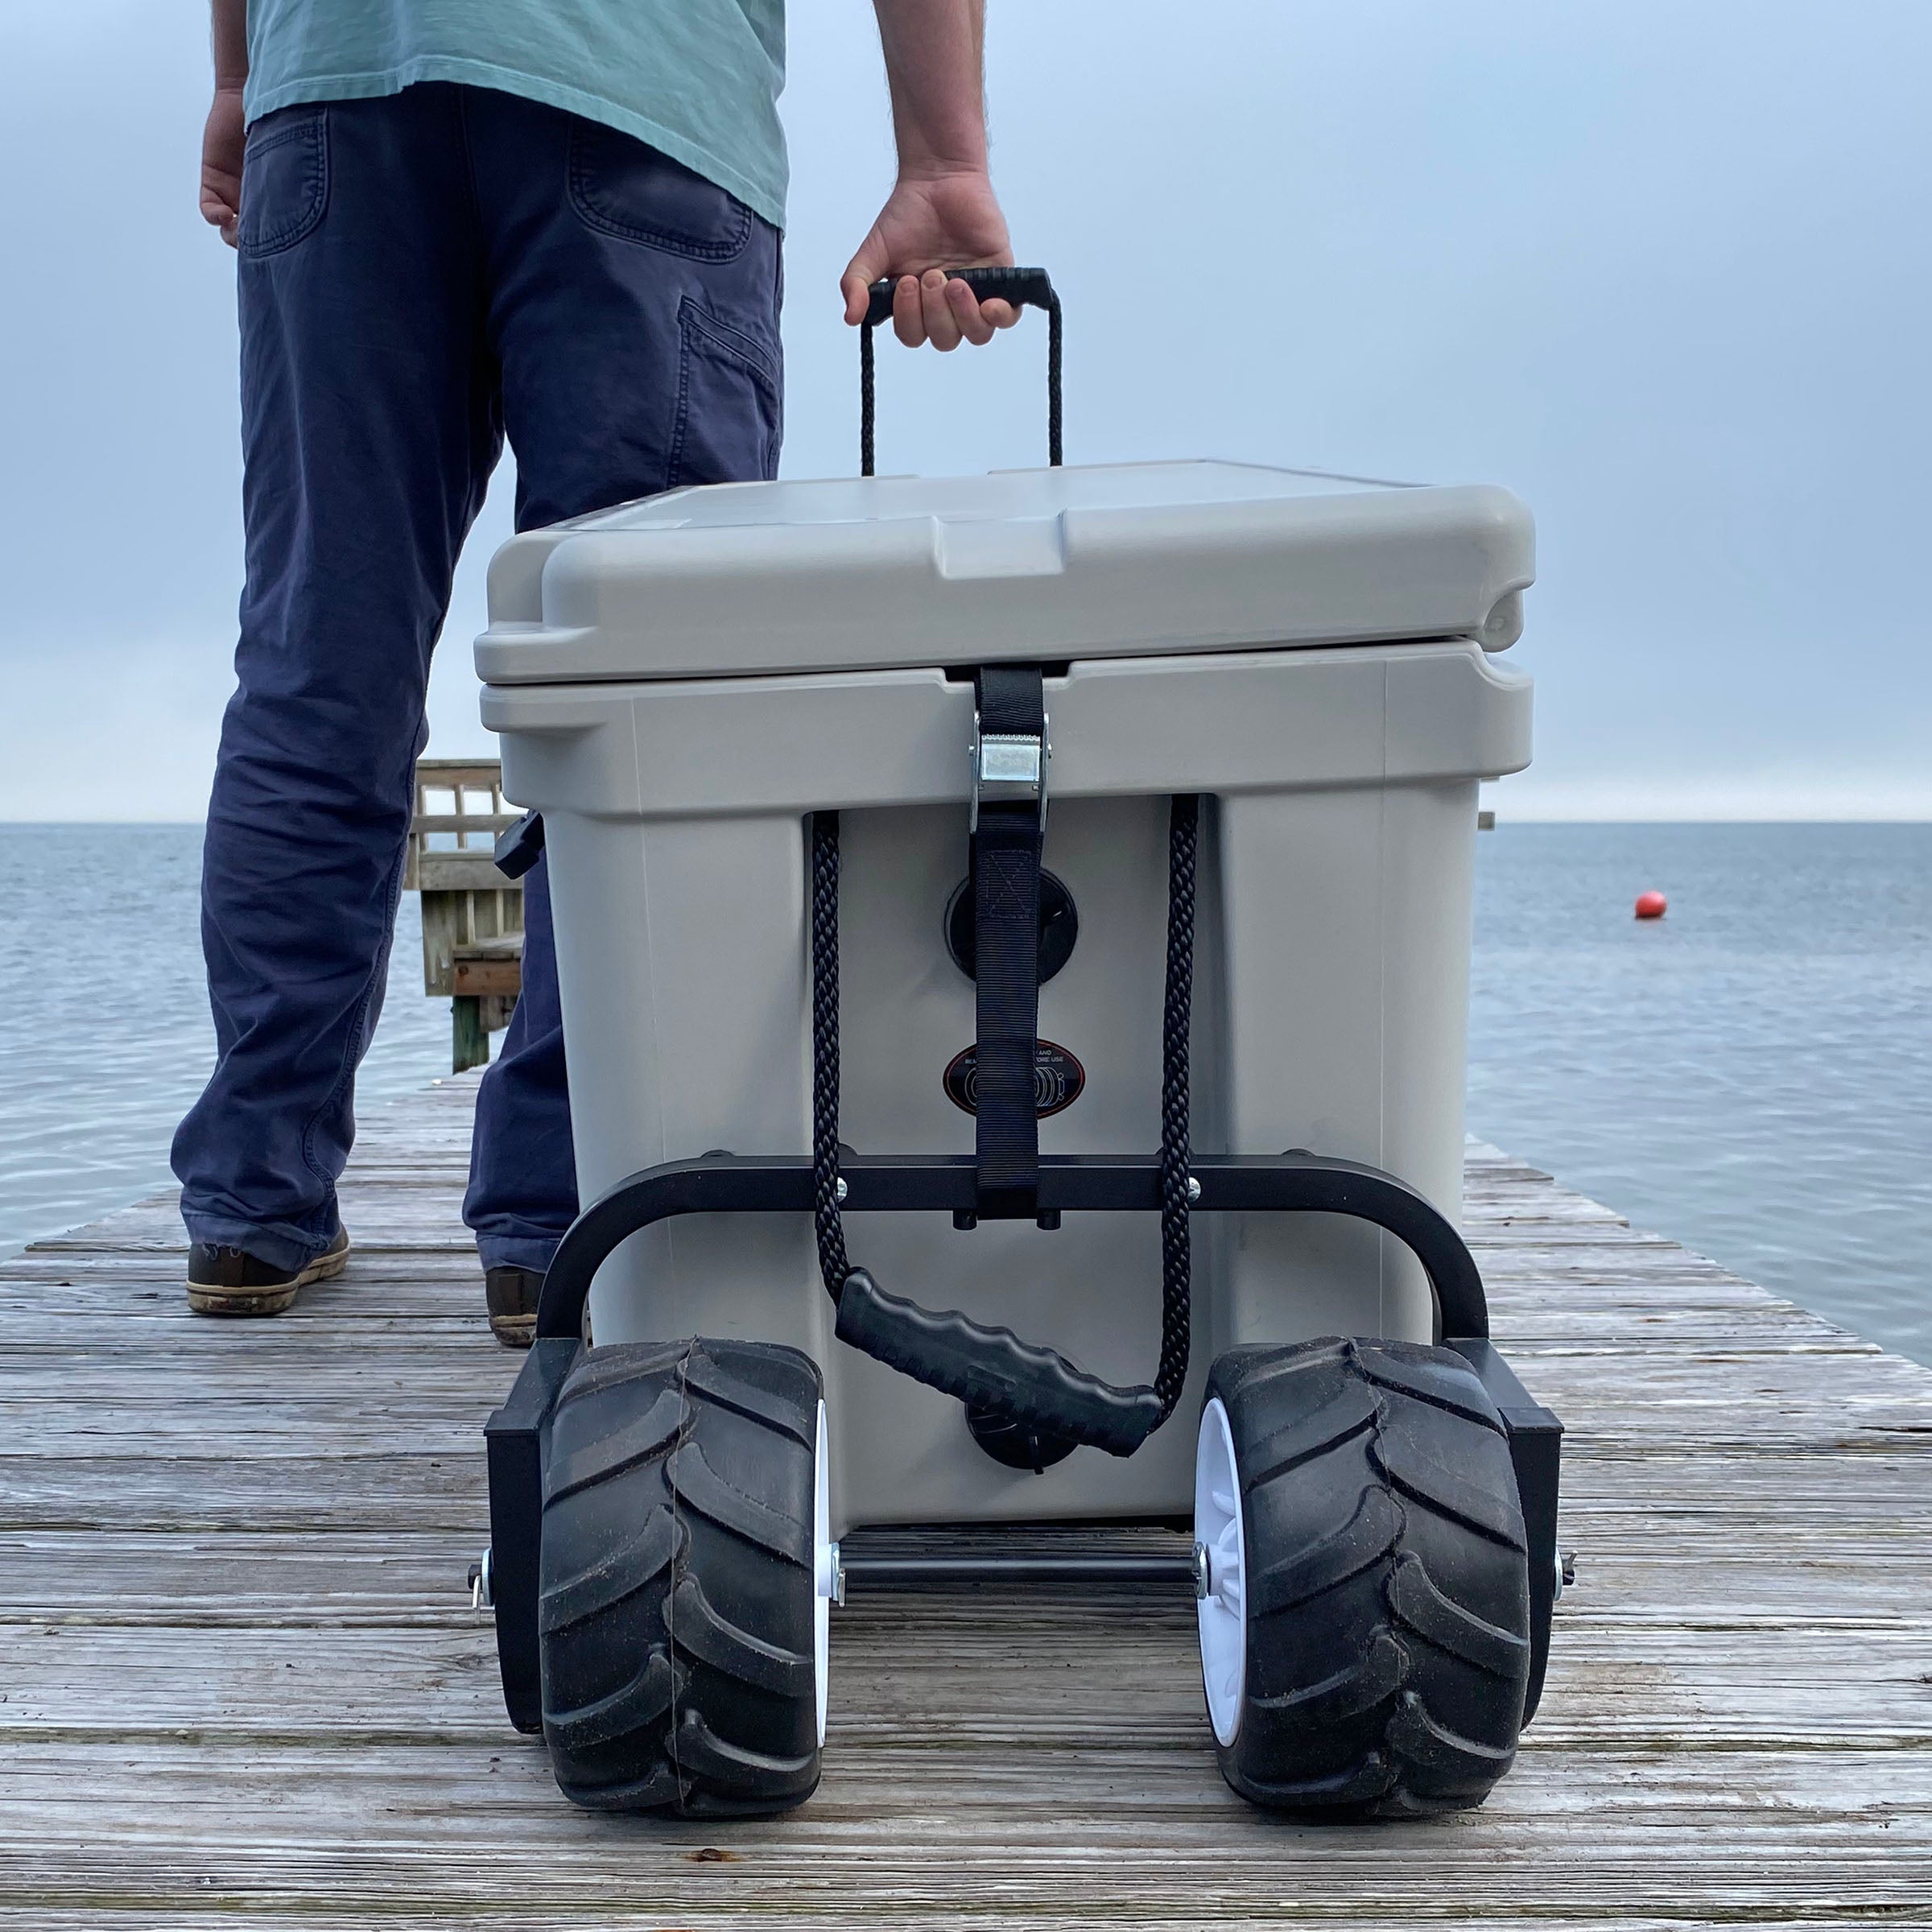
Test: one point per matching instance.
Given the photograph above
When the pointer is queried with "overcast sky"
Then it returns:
(1663, 269)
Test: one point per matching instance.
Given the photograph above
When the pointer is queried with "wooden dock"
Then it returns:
(240, 1685)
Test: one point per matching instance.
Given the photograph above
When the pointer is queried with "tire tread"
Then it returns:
(671, 1597)
(1388, 1634)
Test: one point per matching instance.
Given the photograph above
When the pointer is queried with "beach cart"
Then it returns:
(1014, 935)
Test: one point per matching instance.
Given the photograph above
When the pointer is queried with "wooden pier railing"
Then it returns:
(472, 917)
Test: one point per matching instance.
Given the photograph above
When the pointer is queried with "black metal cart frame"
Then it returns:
(726, 1183)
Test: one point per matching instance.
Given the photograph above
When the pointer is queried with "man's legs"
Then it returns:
(634, 312)
(369, 430)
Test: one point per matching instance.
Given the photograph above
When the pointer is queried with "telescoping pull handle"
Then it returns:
(1024, 287)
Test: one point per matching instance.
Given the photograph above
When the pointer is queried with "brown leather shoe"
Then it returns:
(230, 1280)
(511, 1294)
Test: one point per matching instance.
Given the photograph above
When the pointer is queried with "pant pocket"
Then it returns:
(730, 419)
(284, 180)
(624, 187)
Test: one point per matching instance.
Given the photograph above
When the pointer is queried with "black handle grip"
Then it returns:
(1036, 1387)
(519, 848)
(1023, 287)
(1026, 287)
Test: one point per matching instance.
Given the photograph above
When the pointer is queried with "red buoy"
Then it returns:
(1651, 905)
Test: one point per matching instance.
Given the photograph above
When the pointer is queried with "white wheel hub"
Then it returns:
(828, 1585)
(1220, 1558)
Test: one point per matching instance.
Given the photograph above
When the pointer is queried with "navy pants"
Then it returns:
(420, 276)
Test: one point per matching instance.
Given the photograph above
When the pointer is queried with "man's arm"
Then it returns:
(222, 139)
(942, 213)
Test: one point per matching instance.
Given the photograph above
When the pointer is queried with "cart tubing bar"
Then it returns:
(992, 1366)
(1114, 1184)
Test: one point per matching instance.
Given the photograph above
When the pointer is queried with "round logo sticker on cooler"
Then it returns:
(1057, 1078)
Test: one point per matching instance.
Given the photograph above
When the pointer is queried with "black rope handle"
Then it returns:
(833, 1263)
(1178, 1186)
(1177, 1152)
(1023, 287)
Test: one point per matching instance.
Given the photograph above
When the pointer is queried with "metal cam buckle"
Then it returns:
(1008, 770)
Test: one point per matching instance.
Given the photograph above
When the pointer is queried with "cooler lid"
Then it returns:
(1112, 561)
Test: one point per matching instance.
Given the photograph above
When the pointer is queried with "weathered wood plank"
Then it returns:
(1629, 1690)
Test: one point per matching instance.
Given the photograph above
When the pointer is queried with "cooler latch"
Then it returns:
(1009, 768)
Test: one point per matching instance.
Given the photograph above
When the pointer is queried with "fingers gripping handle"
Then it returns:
(992, 1366)
(1023, 287)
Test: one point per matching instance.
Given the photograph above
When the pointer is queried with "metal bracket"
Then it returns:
(1536, 1439)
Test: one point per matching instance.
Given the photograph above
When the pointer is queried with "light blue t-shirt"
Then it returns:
(699, 79)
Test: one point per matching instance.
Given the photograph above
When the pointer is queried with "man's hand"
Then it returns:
(942, 214)
(222, 140)
(928, 226)
(226, 133)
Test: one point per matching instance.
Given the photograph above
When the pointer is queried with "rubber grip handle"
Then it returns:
(518, 848)
(1023, 287)
(992, 1367)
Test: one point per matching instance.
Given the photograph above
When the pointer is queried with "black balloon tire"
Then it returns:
(1386, 1593)
(677, 1579)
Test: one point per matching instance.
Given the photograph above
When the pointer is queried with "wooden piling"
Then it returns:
(472, 916)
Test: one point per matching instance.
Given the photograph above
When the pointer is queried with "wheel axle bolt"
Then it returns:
(1204, 1574)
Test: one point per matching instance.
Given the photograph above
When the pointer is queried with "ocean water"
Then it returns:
(105, 1032)
(1752, 1075)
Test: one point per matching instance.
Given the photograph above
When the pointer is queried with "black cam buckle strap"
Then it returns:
(1008, 821)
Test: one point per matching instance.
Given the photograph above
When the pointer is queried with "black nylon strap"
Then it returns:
(1012, 700)
(1005, 866)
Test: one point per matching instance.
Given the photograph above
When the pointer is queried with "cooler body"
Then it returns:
(1338, 781)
